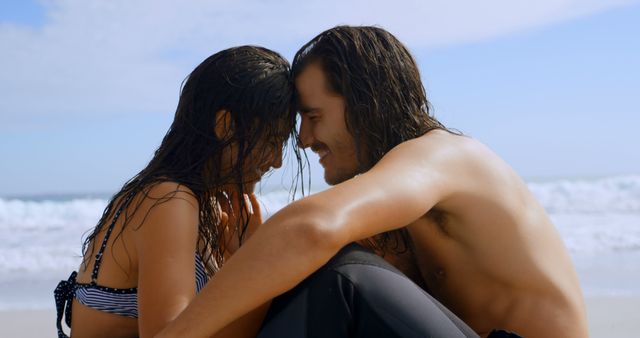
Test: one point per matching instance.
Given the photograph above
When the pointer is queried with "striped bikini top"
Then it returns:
(122, 302)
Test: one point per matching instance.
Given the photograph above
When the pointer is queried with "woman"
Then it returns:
(174, 224)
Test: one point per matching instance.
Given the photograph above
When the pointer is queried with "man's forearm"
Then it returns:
(246, 326)
(281, 253)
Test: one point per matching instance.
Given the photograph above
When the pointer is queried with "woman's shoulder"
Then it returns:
(168, 190)
(165, 202)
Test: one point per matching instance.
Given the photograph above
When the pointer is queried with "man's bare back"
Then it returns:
(491, 254)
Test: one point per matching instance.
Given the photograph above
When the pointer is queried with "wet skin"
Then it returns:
(487, 250)
(482, 244)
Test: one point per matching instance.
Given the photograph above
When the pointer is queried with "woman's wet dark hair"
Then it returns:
(386, 103)
(253, 84)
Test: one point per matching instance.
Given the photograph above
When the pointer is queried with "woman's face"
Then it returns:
(266, 154)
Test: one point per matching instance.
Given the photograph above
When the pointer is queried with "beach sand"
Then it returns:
(614, 316)
(609, 316)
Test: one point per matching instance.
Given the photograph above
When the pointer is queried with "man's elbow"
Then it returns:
(321, 234)
(317, 230)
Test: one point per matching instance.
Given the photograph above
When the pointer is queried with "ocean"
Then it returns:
(598, 219)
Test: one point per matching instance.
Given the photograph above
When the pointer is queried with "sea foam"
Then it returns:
(40, 239)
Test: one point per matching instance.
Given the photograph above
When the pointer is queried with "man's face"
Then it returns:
(323, 127)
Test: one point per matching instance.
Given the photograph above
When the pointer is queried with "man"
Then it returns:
(441, 207)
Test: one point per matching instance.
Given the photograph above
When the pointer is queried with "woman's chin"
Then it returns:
(250, 187)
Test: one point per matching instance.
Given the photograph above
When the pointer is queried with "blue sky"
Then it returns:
(88, 88)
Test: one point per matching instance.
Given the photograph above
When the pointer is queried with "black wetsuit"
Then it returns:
(359, 295)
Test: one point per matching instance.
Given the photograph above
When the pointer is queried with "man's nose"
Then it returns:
(305, 137)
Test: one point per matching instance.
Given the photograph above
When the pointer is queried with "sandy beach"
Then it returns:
(609, 316)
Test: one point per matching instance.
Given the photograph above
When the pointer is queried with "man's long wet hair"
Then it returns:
(253, 84)
(386, 103)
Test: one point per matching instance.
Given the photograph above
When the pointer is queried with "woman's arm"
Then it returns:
(165, 232)
(166, 248)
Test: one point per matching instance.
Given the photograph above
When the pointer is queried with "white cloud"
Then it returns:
(98, 58)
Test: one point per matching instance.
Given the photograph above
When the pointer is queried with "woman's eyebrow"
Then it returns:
(307, 109)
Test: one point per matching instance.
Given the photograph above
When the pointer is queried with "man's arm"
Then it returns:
(303, 236)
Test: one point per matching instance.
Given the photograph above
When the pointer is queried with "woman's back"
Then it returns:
(133, 271)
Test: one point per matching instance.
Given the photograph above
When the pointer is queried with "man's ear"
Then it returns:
(224, 125)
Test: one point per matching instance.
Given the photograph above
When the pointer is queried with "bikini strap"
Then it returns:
(96, 265)
(64, 294)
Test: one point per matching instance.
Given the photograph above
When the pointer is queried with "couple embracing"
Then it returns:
(424, 232)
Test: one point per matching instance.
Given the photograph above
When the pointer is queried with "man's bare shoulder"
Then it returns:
(434, 143)
(458, 166)
(440, 150)
(441, 141)
(461, 151)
